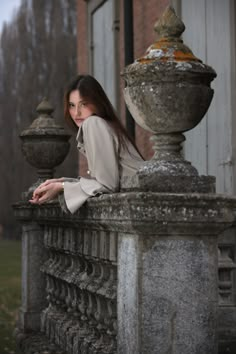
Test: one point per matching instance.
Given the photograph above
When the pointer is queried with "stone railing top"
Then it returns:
(138, 212)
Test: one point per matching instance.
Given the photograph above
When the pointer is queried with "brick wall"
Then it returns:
(82, 60)
(145, 13)
(82, 37)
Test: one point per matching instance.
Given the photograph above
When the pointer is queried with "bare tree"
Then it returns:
(37, 58)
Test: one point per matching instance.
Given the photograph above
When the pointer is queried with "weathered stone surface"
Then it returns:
(35, 343)
(33, 282)
(168, 89)
(139, 211)
(45, 144)
(167, 271)
(168, 92)
(168, 97)
(167, 294)
(227, 331)
(155, 182)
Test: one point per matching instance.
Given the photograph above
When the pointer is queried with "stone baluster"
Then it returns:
(90, 338)
(62, 296)
(100, 315)
(69, 297)
(226, 267)
(111, 322)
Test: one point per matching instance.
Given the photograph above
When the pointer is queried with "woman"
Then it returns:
(110, 153)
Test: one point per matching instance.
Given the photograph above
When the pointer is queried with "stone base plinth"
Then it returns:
(155, 182)
(168, 273)
(35, 342)
(167, 298)
(29, 320)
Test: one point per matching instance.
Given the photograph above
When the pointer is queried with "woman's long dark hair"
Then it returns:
(92, 92)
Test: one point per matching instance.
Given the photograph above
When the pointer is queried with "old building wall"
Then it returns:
(145, 14)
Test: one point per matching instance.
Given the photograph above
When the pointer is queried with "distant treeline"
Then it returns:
(38, 56)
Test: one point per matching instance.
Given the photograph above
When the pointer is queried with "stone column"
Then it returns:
(33, 283)
(45, 145)
(167, 277)
(167, 273)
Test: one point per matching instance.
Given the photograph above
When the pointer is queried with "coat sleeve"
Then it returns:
(102, 155)
(102, 152)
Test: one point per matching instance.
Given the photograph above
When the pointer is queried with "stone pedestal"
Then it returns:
(168, 289)
(167, 274)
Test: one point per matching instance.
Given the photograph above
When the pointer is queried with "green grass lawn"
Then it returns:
(10, 292)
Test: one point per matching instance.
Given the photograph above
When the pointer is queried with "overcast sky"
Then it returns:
(6, 10)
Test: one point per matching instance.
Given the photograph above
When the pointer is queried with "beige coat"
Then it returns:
(107, 162)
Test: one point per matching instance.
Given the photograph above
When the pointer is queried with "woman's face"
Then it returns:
(79, 109)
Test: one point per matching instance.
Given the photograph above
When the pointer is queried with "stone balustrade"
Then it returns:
(152, 255)
(81, 276)
(80, 272)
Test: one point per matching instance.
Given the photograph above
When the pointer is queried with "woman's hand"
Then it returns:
(49, 181)
(47, 191)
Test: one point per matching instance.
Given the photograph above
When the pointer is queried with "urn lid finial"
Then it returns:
(44, 107)
(169, 25)
(169, 47)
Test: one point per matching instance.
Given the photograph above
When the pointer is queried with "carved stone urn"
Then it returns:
(168, 92)
(45, 144)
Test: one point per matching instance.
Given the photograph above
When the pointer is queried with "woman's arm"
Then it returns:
(102, 152)
(102, 155)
